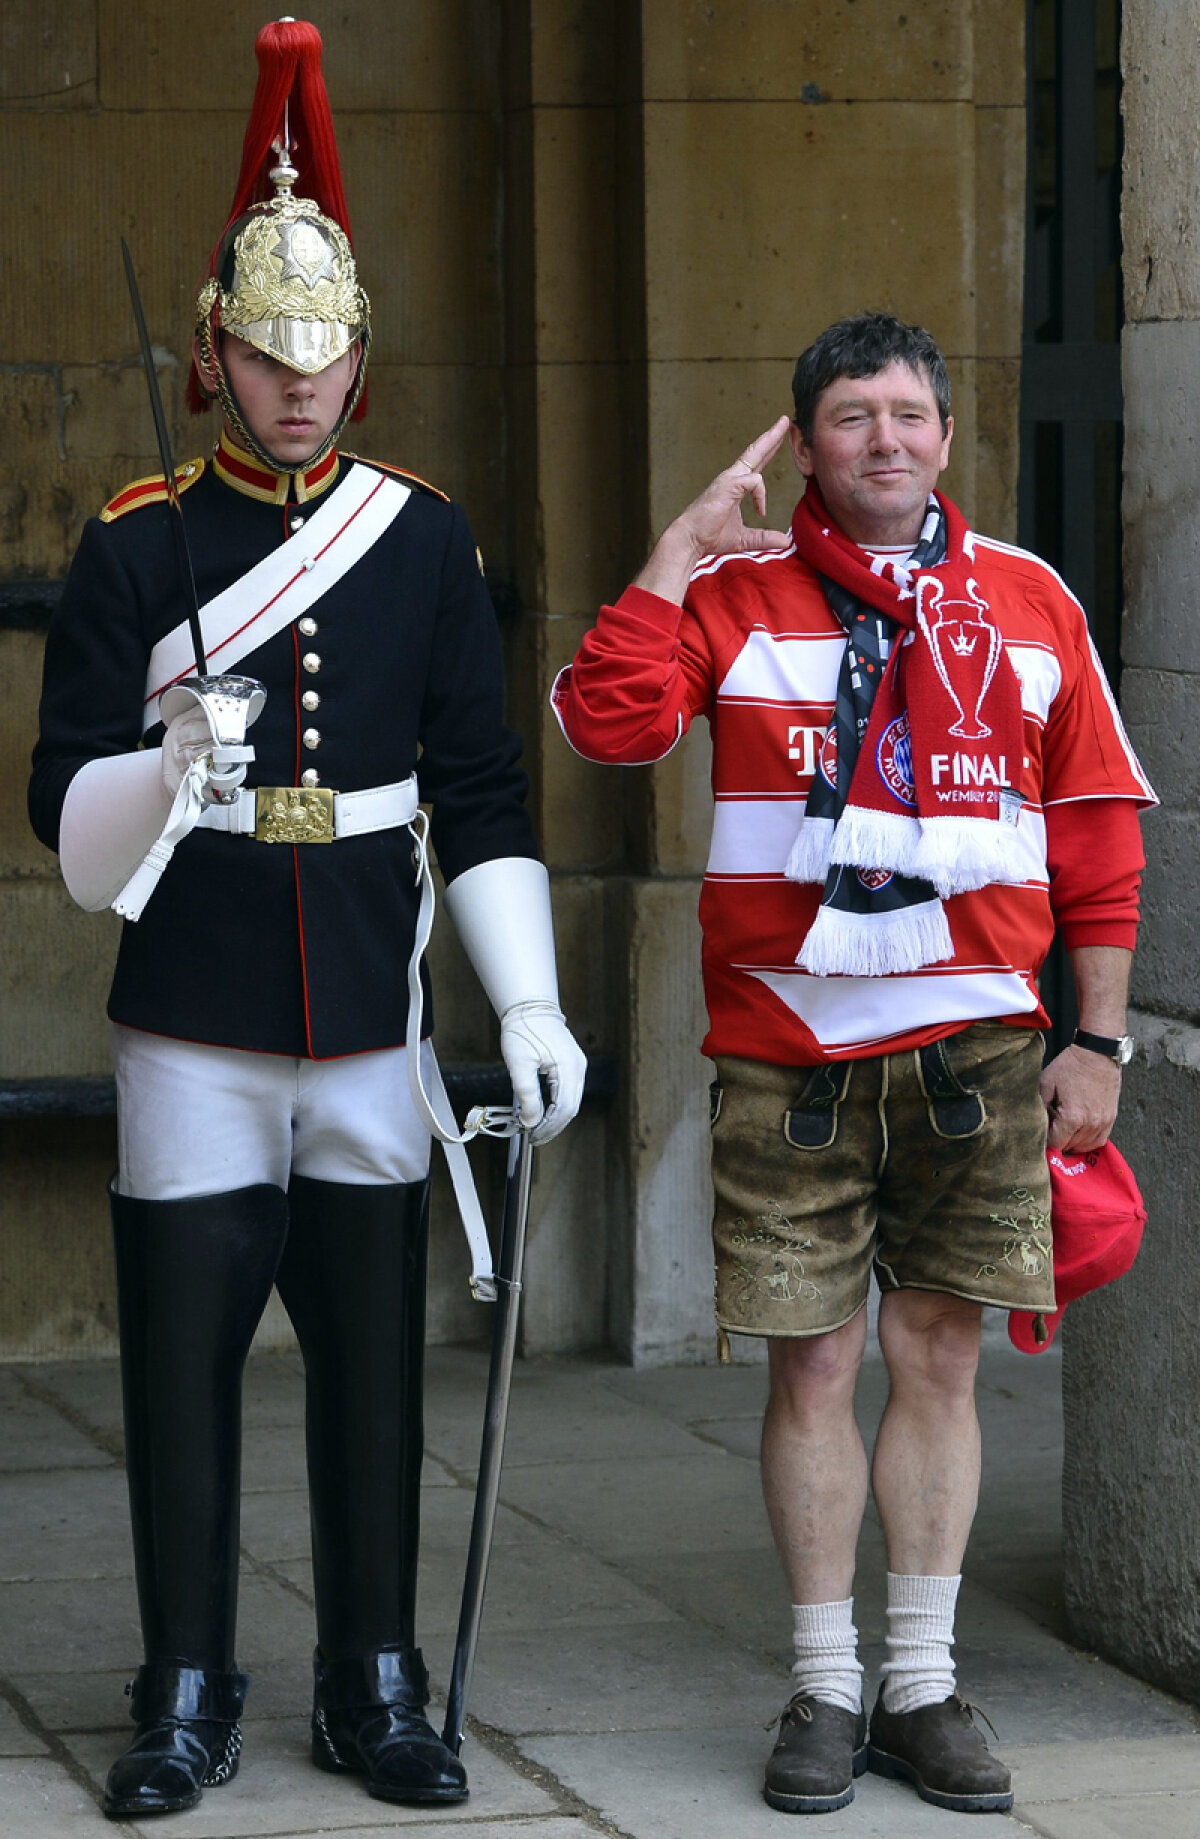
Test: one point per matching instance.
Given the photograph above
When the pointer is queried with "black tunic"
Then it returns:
(292, 949)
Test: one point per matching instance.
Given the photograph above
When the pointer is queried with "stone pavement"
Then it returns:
(635, 1635)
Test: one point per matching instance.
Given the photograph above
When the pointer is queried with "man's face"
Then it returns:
(290, 415)
(877, 449)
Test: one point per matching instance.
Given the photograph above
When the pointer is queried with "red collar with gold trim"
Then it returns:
(243, 472)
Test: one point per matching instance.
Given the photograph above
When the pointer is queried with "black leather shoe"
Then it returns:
(368, 1718)
(941, 1752)
(821, 1749)
(189, 1737)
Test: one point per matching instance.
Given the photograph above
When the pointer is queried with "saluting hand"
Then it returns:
(712, 524)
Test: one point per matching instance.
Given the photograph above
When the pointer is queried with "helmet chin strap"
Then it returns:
(236, 418)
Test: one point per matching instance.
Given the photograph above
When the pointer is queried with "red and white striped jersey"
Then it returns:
(756, 650)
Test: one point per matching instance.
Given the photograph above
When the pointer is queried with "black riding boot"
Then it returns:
(193, 1278)
(353, 1281)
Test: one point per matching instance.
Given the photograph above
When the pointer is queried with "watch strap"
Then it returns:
(1116, 1048)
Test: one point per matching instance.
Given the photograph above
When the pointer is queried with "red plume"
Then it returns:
(289, 77)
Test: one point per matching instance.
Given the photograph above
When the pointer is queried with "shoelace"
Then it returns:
(798, 1707)
(973, 1712)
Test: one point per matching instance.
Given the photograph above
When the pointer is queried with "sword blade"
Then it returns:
(183, 555)
(495, 1423)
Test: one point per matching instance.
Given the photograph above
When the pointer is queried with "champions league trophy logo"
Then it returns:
(965, 648)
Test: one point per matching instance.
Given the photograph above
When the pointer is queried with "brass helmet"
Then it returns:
(282, 277)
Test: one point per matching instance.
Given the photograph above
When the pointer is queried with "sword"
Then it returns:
(183, 555)
(230, 703)
(495, 1422)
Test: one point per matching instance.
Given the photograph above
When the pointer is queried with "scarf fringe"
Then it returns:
(876, 839)
(960, 854)
(808, 858)
(841, 944)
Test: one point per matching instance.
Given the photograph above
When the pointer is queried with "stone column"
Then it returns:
(1131, 1494)
(574, 461)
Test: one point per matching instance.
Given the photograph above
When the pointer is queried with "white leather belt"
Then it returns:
(298, 814)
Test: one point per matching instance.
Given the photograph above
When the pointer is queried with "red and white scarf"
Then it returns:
(931, 793)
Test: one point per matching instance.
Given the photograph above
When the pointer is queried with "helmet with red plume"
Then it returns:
(282, 276)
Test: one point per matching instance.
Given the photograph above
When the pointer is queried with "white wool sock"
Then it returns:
(825, 1641)
(920, 1619)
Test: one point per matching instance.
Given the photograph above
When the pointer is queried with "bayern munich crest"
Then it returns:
(893, 757)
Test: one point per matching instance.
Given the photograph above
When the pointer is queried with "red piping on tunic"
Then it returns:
(303, 954)
(296, 853)
(270, 603)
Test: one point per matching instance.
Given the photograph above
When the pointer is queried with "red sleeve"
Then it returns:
(1085, 750)
(1094, 854)
(637, 680)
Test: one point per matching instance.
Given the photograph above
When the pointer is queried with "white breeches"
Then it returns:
(193, 1119)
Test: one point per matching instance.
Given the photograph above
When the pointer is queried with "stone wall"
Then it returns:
(1132, 1365)
(596, 236)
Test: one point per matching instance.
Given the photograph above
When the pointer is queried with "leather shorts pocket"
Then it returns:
(812, 1121)
(955, 1110)
(716, 1098)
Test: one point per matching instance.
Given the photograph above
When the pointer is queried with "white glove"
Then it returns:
(501, 912)
(534, 1038)
(187, 737)
(114, 810)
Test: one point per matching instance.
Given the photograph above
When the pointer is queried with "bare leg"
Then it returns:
(926, 1479)
(926, 1468)
(814, 1467)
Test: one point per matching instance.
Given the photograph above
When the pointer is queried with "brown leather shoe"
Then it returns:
(821, 1749)
(941, 1752)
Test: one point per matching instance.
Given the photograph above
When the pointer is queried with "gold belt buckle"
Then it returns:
(293, 814)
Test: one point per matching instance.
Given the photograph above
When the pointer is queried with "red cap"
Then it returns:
(1097, 1216)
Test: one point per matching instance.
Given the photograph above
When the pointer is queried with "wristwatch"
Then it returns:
(1117, 1048)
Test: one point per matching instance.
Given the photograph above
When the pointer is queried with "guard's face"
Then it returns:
(876, 451)
(291, 415)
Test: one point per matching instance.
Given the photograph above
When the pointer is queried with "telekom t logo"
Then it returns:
(804, 745)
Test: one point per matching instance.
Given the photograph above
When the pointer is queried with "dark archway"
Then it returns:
(1069, 490)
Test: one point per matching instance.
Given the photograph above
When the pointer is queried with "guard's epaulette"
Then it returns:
(401, 472)
(151, 491)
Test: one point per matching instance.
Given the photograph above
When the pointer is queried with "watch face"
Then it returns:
(1124, 1053)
